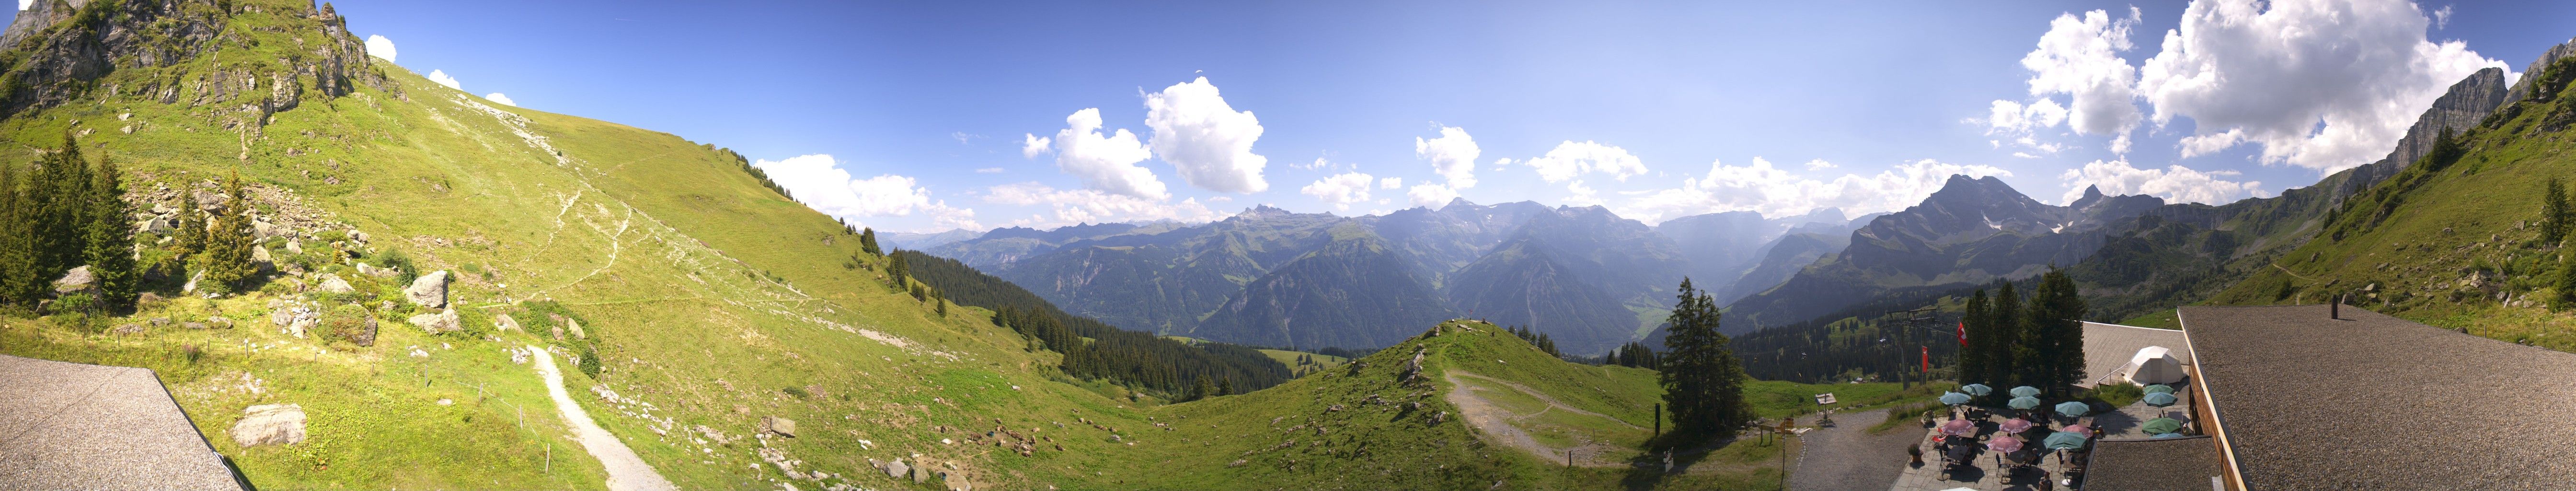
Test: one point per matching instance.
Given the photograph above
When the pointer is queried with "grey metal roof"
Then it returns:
(2377, 402)
(2108, 347)
(2170, 464)
(75, 426)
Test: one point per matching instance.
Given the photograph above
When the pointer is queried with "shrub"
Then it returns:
(799, 392)
(2118, 394)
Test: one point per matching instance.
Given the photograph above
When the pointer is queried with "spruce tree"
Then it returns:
(2056, 309)
(110, 240)
(1204, 389)
(2567, 283)
(1976, 361)
(896, 272)
(868, 241)
(20, 286)
(2553, 212)
(1703, 382)
(2015, 350)
(226, 260)
(58, 195)
(190, 234)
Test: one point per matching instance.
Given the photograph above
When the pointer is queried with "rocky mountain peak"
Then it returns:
(72, 49)
(1262, 211)
(2092, 194)
(2521, 90)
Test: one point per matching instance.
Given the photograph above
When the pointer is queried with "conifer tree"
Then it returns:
(2553, 213)
(940, 300)
(2019, 354)
(58, 197)
(111, 241)
(1979, 362)
(226, 260)
(1204, 389)
(868, 241)
(2055, 312)
(20, 285)
(896, 272)
(190, 234)
(2567, 283)
(1703, 381)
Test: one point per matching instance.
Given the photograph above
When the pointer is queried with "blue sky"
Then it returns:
(928, 107)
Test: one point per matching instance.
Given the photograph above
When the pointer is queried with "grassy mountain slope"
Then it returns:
(708, 300)
(1356, 427)
(2452, 240)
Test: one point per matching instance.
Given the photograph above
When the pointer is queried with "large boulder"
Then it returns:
(281, 424)
(260, 258)
(443, 321)
(897, 469)
(372, 270)
(78, 280)
(430, 290)
(778, 426)
(332, 283)
(575, 327)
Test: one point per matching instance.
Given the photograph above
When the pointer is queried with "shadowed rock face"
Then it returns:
(72, 46)
(2521, 90)
(2463, 107)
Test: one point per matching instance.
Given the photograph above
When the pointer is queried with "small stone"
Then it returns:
(446, 402)
(444, 321)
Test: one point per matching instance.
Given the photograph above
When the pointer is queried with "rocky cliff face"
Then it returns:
(65, 49)
(2459, 109)
(2522, 91)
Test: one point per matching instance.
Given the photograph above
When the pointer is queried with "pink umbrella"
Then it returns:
(2004, 445)
(2015, 425)
(2078, 429)
(1959, 427)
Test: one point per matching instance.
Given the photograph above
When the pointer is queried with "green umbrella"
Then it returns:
(2025, 391)
(2073, 409)
(1979, 390)
(2159, 389)
(2024, 402)
(2159, 399)
(2161, 425)
(2064, 441)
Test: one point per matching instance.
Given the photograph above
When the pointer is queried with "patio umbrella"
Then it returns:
(2159, 388)
(2077, 429)
(2167, 435)
(2064, 441)
(2159, 399)
(2025, 391)
(1979, 390)
(2004, 445)
(2073, 409)
(2024, 402)
(1954, 398)
(2015, 425)
(2161, 425)
(1959, 427)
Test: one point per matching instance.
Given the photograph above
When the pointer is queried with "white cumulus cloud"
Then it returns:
(442, 79)
(1073, 206)
(2080, 57)
(2321, 84)
(819, 182)
(2173, 183)
(377, 45)
(1453, 155)
(1205, 139)
(1033, 145)
(1772, 191)
(500, 98)
(1431, 194)
(1103, 162)
(1390, 183)
(1340, 190)
(1571, 159)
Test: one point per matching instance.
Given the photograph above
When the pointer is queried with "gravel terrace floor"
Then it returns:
(1847, 457)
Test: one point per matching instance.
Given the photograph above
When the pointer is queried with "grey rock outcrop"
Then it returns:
(77, 280)
(429, 290)
(332, 283)
(778, 426)
(897, 469)
(264, 424)
(443, 321)
(574, 325)
(2522, 91)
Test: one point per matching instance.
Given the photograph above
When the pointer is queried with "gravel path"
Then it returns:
(1847, 457)
(626, 472)
(1497, 422)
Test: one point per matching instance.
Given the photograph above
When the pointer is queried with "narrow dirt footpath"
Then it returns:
(1497, 422)
(626, 472)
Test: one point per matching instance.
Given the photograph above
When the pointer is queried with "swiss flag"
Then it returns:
(1963, 333)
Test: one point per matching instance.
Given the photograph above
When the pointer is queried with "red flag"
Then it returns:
(1963, 333)
(1927, 359)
